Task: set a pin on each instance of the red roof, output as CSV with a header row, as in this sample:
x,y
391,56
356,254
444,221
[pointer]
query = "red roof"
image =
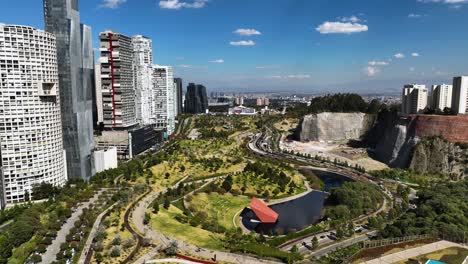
x,y
263,212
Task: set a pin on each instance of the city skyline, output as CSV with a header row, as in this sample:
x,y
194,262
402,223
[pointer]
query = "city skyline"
x,y
289,46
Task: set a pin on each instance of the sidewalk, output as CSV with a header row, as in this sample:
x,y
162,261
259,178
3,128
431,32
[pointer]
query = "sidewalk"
x,y
414,252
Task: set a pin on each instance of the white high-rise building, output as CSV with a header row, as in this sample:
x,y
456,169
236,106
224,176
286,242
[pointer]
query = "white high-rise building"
x,y
31,143
441,96
142,67
414,98
165,98
98,94
460,95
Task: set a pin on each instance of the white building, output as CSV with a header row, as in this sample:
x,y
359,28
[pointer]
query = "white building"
x,y
31,143
98,93
165,94
142,71
460,95
242,110
441,96
414,98
105,159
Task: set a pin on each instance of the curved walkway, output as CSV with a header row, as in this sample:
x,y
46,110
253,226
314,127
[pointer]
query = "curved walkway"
x,y
92,235
53,249
138,216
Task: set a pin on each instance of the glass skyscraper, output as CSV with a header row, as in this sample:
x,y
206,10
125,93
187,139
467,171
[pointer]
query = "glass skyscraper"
x,y
76,81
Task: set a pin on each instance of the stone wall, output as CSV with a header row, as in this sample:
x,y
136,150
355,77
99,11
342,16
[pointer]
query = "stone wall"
x,y
451,128
334,127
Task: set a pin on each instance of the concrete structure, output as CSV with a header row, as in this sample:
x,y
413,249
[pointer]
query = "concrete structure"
x,y
31,147
164,90
261,101
241,110
179,94
460,95
414,99
196,100
105,159
118,93
142,73
129,143
98,116
239,100
441,96
76,65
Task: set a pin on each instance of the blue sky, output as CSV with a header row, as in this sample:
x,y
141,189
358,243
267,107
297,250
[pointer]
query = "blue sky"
x,y
287,45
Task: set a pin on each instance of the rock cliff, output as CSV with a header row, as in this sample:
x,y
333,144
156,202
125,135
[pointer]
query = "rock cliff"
x,y
335,127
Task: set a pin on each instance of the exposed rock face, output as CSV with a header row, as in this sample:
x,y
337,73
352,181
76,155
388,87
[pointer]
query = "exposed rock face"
x,y
435,155
334,127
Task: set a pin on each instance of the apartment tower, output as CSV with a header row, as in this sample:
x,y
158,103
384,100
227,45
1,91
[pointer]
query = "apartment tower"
x,y
165,98
142,73
441,96
75,57
31,142
414,99
460,95
118,93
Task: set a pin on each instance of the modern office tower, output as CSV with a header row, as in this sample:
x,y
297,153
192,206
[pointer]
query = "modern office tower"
x,y
196,101
441,96
76,62
414,99
164,94
460,95
97,104
31,142
180,93
142,71
118,93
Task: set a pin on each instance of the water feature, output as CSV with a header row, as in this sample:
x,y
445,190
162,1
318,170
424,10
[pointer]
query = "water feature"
x,y
299,213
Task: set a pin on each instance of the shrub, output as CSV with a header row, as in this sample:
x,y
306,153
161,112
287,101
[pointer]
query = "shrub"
x,y
115,251
116,240
128,243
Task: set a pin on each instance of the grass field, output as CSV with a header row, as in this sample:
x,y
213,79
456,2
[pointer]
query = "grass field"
x,y
221,207
166,223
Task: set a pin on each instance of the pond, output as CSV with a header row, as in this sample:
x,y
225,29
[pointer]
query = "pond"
x,y
296,214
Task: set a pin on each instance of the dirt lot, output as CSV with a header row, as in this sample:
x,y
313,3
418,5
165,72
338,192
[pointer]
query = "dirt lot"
x,y
341,152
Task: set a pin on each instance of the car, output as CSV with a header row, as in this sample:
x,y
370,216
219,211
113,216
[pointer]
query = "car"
x,y
322,237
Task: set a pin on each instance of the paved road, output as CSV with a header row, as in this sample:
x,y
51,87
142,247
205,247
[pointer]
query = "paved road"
x,y
92,235
52,250
342,244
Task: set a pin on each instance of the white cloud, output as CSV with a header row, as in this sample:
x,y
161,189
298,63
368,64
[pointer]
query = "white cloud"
x,y
415,54
451,2
415,15
371,71
353,19
267,67
378,63
243,43
217,61
112,4
412,69
399,55
247,32
187,66
341,28
176,4
290,76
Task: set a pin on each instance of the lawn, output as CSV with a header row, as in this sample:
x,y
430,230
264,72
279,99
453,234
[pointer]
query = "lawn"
x,y
166,223
221,207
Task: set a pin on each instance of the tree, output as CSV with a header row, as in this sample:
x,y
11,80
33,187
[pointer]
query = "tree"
x,y
35,258
115,251
314,242
294,249
146,219
155,207
172,249
167,203
339,232
227,183
116,240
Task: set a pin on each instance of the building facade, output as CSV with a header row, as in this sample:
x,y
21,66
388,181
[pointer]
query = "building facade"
x,y
180,93
142,71
414,99
460,95
31,142
165,98
76,60
118,93
196,100
105,159
98,115
441,96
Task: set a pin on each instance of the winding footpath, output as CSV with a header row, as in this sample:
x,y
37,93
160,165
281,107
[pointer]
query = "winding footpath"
x,y
164,241
53,249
